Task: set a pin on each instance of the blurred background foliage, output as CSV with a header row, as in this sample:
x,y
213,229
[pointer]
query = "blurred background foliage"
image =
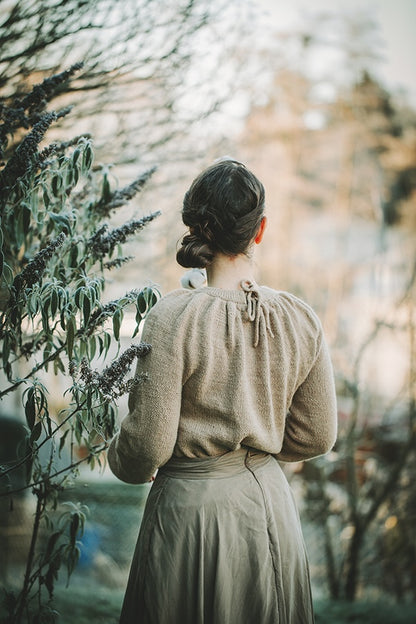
x,y
177,84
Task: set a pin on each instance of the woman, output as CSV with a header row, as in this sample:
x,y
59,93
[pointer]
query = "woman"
x,y
238,377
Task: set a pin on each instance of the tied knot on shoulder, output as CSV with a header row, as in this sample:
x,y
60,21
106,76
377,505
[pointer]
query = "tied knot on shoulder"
x,y
257,311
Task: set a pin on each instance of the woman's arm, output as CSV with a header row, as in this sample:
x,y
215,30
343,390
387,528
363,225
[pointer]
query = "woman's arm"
x,y
311,424
148,433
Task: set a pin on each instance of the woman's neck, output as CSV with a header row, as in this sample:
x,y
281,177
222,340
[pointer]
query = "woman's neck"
x,y
227,272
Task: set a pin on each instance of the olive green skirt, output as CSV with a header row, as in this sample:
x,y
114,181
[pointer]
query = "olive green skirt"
x,y
220,543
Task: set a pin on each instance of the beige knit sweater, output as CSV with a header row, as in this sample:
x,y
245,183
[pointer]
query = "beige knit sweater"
x,y
227,368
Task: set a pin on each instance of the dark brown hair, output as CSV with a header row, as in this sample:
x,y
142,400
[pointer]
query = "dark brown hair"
x,y
223,209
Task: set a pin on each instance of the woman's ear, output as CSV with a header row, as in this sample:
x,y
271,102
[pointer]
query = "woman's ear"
x,y
259,235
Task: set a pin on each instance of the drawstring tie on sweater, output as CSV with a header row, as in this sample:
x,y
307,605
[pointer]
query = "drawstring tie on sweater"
x,y
256,310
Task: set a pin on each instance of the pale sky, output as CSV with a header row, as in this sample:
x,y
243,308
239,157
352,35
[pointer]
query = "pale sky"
x,y
397,22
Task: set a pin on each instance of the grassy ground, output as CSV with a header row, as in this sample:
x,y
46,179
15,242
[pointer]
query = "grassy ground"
x,y
85,605
364,613
89,603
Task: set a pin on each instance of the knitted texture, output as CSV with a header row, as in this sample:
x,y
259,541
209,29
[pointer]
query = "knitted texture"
x,y
228,368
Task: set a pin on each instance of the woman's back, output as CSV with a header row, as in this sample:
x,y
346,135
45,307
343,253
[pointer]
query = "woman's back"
x,y
237,377
237,359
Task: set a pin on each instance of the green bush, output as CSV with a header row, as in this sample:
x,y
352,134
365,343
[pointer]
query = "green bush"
x,y
56,248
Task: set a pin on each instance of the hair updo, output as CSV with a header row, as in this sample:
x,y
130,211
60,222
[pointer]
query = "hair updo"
x,y
223,209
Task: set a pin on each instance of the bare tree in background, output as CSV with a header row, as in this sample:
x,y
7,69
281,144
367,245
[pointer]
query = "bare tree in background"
x,y
337,157
151,67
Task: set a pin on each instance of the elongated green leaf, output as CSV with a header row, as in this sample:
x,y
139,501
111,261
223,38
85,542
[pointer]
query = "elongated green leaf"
x,y
34,204
45,319
70,336
72,561
87,157
26,217
155,297
51,543
69,177
46,198
117,324
92,347
56,185
141,303
8,370
62,441
107,343
63,323
33,304
36,431
100,345
79,297
75,156
93,294
46,353
73,255
106,191
7,274
6,348
74,528
86,308
30,409
82,348
58,365
54,303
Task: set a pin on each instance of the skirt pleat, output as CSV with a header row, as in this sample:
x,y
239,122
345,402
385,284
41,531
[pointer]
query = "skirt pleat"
x,y
220,543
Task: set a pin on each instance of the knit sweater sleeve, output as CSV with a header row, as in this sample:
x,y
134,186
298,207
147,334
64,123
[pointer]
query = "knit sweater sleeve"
x,y
148,433
311,423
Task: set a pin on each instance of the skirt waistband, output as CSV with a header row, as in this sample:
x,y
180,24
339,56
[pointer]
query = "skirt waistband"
x,y
219,466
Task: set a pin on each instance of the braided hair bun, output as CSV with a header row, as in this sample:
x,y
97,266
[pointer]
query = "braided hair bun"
x,y
223,209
